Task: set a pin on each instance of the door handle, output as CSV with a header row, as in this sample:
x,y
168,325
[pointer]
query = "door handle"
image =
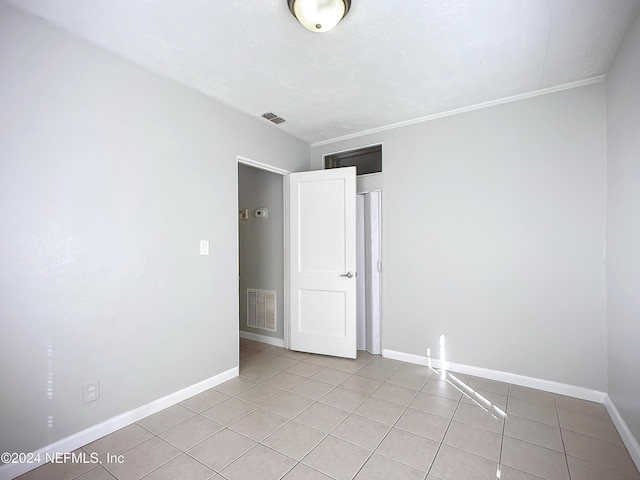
x,y
348,275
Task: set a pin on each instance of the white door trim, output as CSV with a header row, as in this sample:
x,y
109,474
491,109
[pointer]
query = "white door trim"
x,y
287,278
262,166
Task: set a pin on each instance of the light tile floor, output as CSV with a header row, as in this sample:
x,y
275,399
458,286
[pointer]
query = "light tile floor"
x,y
297,416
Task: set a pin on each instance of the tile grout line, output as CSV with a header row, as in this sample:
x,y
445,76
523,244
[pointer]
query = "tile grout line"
x,y
601,439
349,414
528,441
315,401
373,451
370,395
246,415
444,434
161,465
564,448
504,427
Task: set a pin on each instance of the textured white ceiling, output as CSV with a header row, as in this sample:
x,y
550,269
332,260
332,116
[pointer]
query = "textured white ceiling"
x,y
389,61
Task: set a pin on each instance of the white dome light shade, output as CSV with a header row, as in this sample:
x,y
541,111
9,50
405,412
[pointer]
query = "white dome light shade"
x,y
319,15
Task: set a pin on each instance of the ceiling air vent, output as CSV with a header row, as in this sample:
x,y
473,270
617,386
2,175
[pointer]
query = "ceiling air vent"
x,y
273,118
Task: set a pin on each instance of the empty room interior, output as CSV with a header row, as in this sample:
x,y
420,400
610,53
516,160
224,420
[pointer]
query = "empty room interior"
x,y
320,239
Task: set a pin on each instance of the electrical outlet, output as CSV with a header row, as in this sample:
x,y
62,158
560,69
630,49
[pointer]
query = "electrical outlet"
x,y
91,391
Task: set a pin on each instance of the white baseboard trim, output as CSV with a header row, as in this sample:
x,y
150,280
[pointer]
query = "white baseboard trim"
x,y
276,342
627,437
507,377
554,387
93,433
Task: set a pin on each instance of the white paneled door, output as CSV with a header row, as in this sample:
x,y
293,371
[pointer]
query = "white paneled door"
x,y
322,246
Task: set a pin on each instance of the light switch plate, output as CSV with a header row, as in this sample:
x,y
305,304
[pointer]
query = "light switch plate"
x,y
204,247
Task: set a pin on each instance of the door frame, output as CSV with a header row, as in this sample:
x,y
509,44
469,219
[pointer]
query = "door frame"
x,y
285,215
379,266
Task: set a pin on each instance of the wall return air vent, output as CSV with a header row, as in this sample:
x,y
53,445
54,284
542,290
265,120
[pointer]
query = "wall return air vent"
x,y
273,118
261,309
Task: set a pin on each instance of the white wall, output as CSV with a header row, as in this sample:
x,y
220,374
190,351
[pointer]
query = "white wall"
x,y
261,241
109,177
623,229
494,235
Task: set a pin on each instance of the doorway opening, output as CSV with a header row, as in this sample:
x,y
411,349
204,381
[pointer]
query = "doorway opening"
x,y
261,250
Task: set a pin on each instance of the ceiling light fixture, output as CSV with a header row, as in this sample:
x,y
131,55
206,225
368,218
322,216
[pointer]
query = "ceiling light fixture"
x,y
319,15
